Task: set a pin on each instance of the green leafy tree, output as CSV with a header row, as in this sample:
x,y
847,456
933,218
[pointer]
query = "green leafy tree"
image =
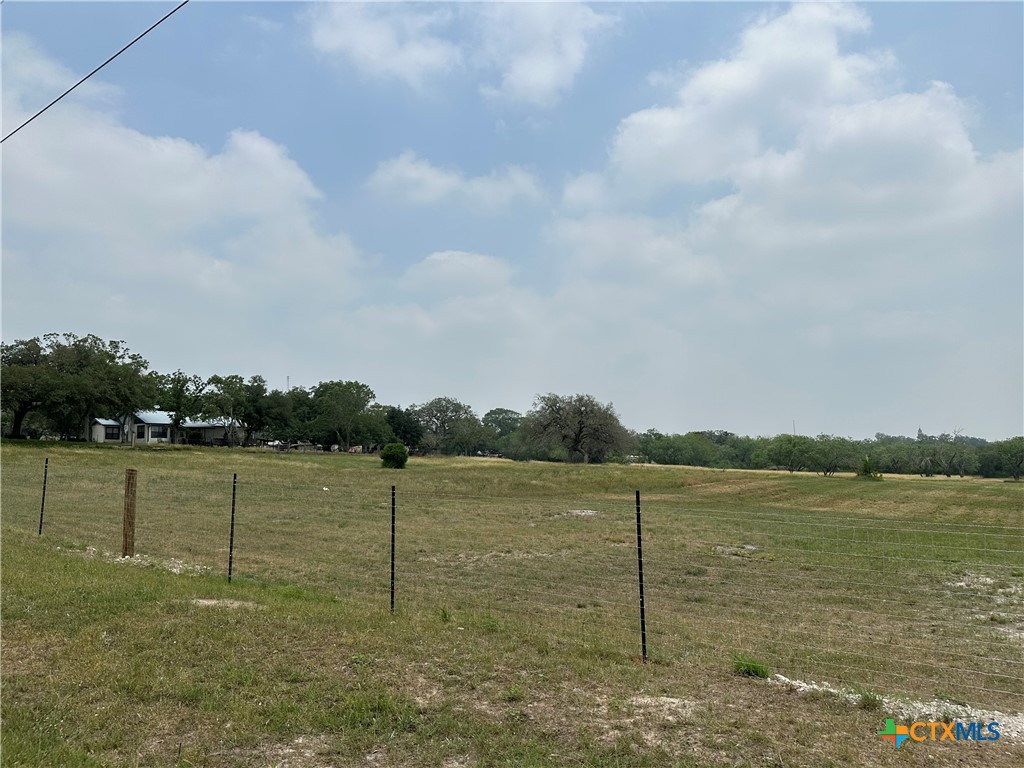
x,y
587,430
373,428
1011,454
70,379
26,380
439,418
502,420
181,396
468,435
342,408
405,425
831,454
791,452
290,415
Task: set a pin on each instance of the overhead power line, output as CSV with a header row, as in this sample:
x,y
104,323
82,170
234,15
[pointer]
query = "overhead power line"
x,y
101,66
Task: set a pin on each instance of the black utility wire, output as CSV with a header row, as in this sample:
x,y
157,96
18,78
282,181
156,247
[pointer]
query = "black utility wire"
x,y
101,66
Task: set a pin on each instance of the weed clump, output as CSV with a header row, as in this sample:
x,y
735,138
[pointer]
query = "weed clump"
x,y
743,665
869,700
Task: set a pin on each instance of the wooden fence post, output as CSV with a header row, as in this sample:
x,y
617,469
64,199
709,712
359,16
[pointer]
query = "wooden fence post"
x,y
128,543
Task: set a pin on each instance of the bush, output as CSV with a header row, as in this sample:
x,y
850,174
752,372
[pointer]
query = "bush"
x,y
394,456
867,470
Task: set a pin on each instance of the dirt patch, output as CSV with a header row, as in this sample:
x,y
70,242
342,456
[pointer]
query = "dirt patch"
x,y
743,551
303,752
1003,591
172,564
584,513
1011,725
652,718
204,602
424,692
485,558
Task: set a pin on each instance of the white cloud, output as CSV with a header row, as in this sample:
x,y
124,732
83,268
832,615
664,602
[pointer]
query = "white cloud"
x,y
384,40
456,273
732,110
416,180
639,250
813,213
538,48
112,230
588,191
32,79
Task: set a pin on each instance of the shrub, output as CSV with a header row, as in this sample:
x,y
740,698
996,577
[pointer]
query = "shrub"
x,y
394,456
867,470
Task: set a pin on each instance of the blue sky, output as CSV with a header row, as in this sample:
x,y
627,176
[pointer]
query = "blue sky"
x,y
713,215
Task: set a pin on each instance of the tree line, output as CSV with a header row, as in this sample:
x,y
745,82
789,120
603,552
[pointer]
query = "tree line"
x,y
56,384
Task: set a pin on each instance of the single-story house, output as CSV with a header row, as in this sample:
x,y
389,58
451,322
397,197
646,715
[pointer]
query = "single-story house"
x,y
148,427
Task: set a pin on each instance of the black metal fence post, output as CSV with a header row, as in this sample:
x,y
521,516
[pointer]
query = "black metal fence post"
x,y
640,574
231,540
392,549
42,505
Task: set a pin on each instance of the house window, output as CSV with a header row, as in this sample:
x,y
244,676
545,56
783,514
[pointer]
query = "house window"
x,y
158,433
140,432
111,433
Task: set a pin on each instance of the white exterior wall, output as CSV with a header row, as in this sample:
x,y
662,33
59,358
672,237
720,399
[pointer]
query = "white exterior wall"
x,y
98,434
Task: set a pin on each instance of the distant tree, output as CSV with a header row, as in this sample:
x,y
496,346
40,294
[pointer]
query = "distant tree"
x,y
1011,453
736,451
586,429
181,396
372,428
502,420
694,448
237,403
69,380
290,415
791,452
342,407
26,380
891,454
831,454
439,418
405,425
467,435
990,463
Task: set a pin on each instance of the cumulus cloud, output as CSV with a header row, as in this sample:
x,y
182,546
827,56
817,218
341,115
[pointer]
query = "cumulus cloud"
x,y
456,273
810,206
411,178
731,110
536,50
121,225
385,40
32,79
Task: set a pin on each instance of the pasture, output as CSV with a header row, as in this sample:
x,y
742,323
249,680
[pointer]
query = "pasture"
x,y
515,638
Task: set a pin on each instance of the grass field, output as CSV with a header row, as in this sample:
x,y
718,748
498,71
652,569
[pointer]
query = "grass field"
x,y
516,638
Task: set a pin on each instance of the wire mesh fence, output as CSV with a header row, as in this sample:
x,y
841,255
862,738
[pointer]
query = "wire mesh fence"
x,y
922,607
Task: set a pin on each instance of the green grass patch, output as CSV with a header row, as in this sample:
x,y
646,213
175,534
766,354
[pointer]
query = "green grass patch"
x,y
748,667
